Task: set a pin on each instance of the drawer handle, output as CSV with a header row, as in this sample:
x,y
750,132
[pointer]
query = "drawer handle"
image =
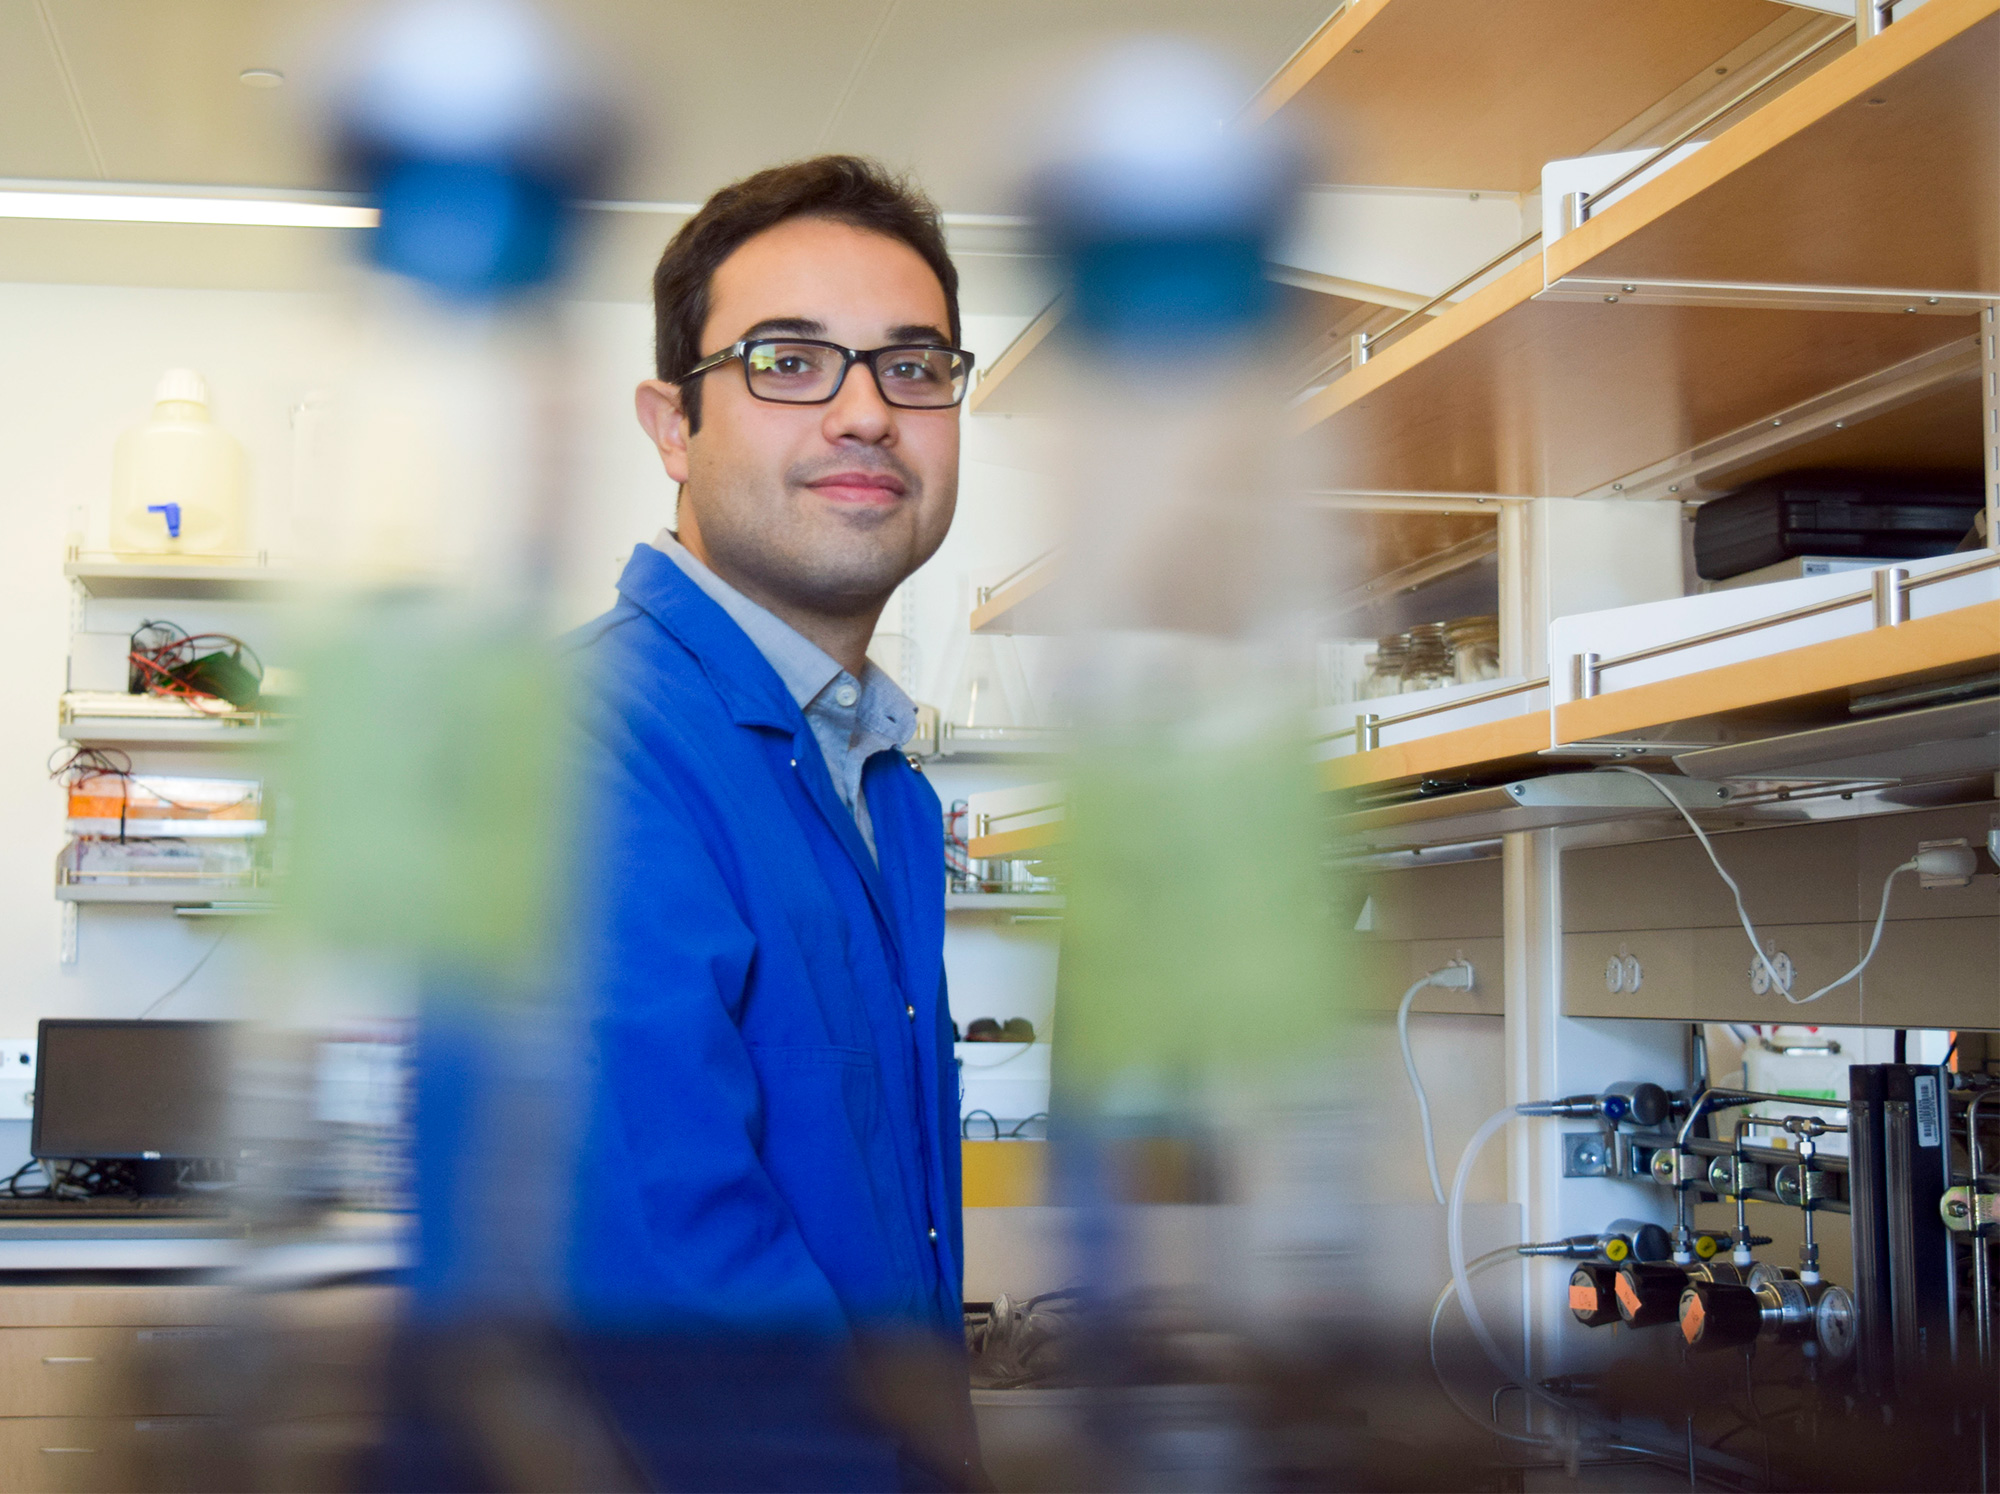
x,y
69,1359
69,1450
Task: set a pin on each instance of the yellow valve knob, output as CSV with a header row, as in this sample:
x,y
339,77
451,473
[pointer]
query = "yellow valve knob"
x,y
1616,1249
1705,1246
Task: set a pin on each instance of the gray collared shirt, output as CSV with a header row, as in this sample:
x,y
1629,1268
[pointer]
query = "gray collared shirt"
x,y
851,719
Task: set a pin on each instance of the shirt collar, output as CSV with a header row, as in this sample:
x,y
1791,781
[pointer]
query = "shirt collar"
x,y
805,669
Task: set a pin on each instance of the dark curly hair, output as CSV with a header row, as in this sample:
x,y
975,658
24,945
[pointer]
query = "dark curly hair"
x,y
847,189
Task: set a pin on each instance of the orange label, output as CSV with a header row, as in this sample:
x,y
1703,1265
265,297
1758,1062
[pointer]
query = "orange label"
x,y
1693,1315
1627,1296
1582,1297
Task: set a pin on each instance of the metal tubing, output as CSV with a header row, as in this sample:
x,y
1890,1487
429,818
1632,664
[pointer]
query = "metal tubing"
x,y
1720,112
1520,687
1982,1305
1871,18
1736,1159
1728,1098
1952,572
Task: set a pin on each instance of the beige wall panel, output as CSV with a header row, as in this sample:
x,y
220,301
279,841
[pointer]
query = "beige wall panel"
x,y
1890,840
1456,900
1704,974
1820,952
1935,972
1377,974
1791,876
1666,962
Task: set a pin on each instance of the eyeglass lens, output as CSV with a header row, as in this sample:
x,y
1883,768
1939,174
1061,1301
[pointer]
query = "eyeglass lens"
x,y
805,373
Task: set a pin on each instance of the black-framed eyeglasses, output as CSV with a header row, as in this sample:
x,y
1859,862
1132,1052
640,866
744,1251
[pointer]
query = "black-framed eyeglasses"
x,y
802,371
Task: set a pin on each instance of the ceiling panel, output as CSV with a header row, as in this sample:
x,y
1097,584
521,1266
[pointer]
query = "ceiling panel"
x,y
713,89
159,86
949,88
38,129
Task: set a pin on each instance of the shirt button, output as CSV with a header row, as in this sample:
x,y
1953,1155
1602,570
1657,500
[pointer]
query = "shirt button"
x,y
846,695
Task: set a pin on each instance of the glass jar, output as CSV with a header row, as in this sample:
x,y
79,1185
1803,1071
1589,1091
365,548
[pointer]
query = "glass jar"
x,y
1427,663
1385,667
1475,648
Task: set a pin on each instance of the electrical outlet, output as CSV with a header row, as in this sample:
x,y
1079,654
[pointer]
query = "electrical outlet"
x,y
17,1080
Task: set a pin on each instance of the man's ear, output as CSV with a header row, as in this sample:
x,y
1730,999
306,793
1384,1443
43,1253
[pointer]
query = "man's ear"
x,y
660,414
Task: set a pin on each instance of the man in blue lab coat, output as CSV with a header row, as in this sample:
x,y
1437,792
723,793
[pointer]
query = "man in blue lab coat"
x,y
766,1252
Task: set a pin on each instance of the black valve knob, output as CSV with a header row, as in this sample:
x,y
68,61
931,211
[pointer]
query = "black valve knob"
x,y
1649,1292
1593,1294
1720,1315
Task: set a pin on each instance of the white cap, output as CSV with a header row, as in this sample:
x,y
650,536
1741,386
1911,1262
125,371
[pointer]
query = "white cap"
x,y
181,384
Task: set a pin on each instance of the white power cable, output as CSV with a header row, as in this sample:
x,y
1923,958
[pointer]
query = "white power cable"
x,y
1780,983
1457,976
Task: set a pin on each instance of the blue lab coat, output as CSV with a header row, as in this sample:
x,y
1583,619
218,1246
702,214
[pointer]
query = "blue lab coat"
x,y
770,1143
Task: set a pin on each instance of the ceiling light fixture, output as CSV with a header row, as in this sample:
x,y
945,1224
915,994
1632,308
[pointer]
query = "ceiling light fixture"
x,y
261,77
21,200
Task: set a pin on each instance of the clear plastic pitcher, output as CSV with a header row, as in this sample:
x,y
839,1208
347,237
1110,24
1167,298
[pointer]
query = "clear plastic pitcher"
x,y
177,482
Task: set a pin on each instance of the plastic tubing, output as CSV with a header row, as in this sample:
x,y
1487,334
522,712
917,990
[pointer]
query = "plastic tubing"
x,y
1454,1236
1417,1086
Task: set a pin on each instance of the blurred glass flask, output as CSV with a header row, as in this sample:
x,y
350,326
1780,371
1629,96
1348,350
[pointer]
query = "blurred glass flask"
x,y
1199,1010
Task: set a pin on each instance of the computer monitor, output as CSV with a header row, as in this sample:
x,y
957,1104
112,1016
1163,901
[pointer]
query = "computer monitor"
x,y
147,1092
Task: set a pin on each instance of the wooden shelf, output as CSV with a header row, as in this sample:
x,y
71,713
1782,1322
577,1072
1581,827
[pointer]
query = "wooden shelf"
x,y
1021,605
1006,845
1537,386
167,581
1005,389
1483,750
1883,169
1801,685
1469,94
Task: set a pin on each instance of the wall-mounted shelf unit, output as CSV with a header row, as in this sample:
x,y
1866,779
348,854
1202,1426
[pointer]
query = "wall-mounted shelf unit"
x,y
237,730
1832,240
1461,95
1771,698
105,577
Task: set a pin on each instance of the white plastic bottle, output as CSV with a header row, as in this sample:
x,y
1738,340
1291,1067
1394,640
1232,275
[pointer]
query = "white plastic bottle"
x,y
177,482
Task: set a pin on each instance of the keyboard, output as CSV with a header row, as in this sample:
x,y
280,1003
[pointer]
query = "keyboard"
x,y
196,1206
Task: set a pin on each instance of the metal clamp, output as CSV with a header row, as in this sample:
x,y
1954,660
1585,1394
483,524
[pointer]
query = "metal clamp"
x,y
1968,1211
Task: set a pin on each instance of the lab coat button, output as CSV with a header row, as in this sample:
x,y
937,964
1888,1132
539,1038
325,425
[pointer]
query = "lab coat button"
x,y
910,1012
933,1234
